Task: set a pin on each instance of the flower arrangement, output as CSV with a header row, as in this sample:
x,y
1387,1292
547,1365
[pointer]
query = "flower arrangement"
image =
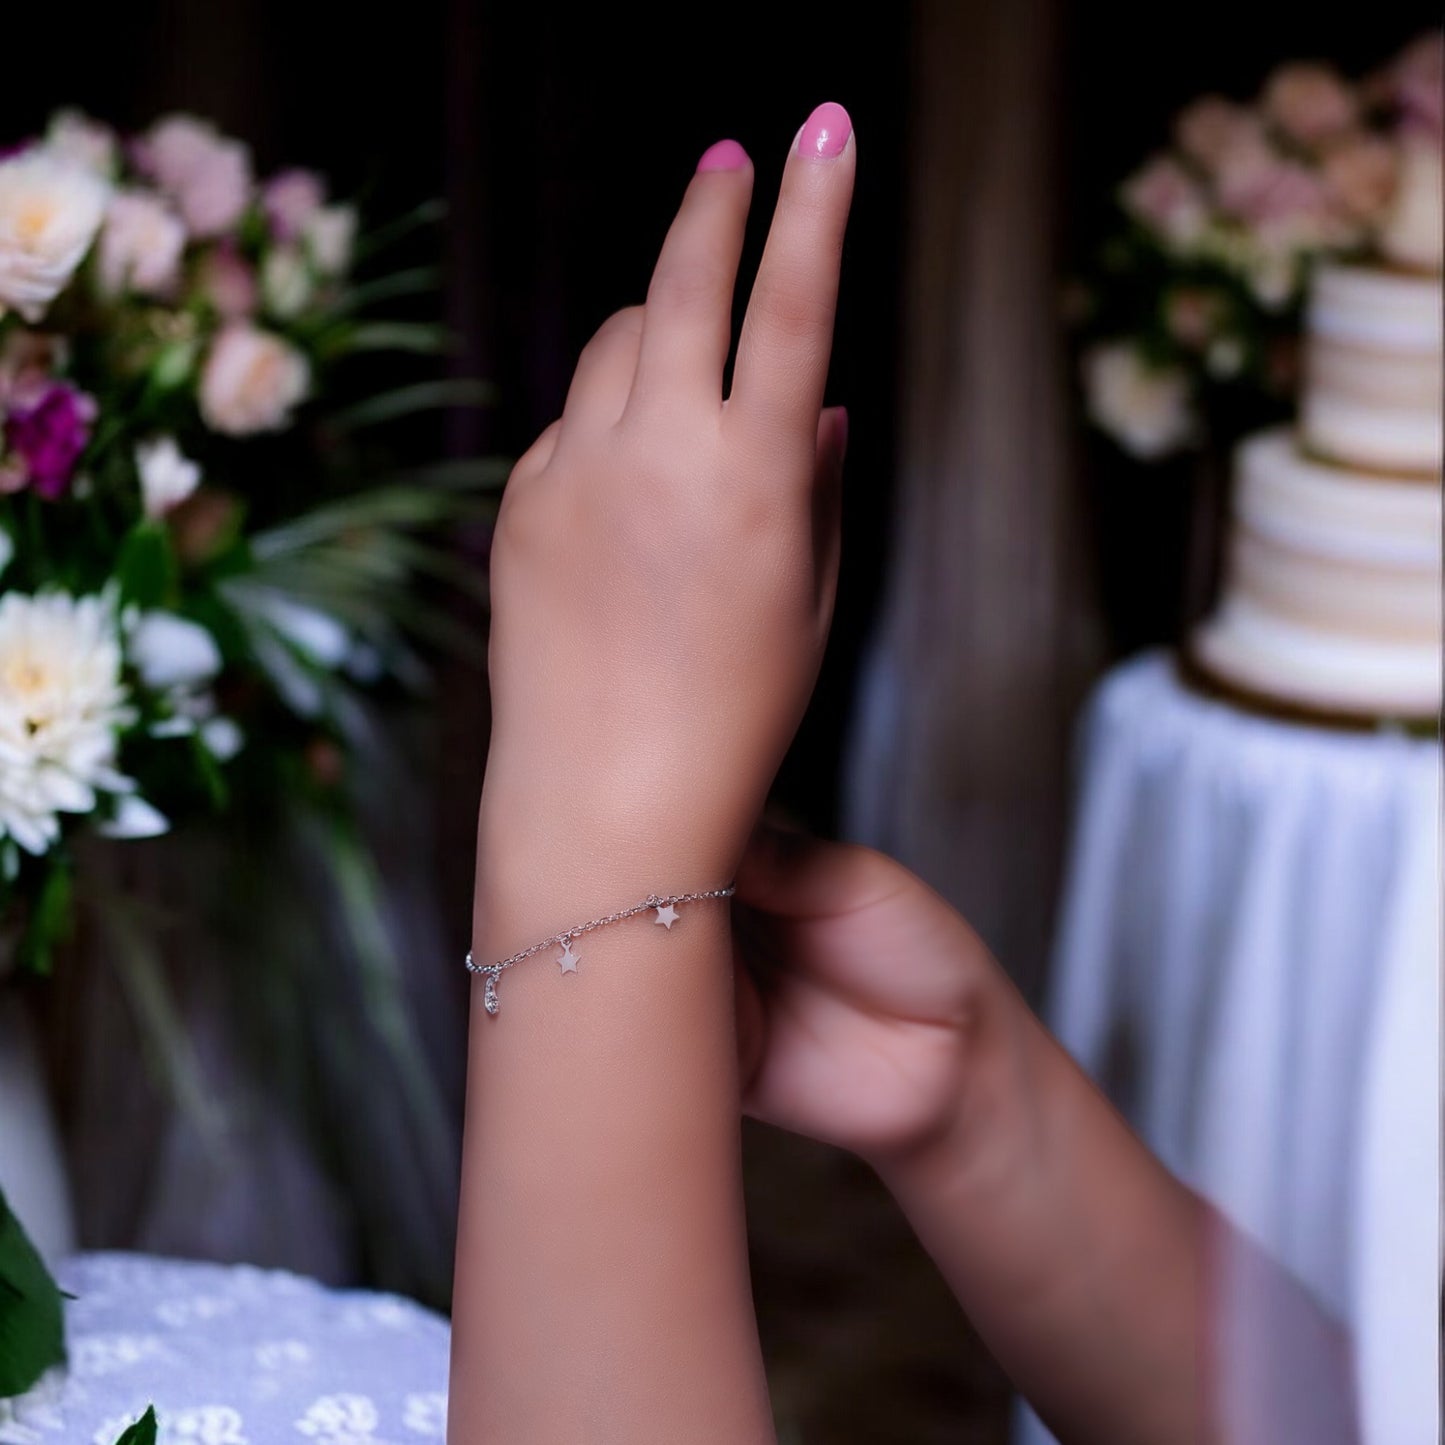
x,y
201,569
1194,308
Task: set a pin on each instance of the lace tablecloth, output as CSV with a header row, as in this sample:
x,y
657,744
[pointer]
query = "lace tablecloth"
x,y
234,1355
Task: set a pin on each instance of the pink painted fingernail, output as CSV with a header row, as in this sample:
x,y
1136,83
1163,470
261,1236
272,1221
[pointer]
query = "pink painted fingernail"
x,y
723,155
825,132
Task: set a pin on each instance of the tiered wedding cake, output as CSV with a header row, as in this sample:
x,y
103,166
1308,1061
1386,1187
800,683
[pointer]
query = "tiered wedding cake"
x,y
1332,597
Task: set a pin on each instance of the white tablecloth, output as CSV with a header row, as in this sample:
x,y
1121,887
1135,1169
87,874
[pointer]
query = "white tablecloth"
x,y
1248,958
233,1355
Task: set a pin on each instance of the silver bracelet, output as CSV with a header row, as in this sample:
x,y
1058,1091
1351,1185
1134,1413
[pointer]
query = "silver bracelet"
x,y
666,915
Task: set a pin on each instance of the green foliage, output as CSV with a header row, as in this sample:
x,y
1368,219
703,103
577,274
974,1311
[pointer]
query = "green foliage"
x,y
143,1432
32,1322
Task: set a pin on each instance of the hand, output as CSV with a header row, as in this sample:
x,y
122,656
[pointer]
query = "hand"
x,y
864,998
664,563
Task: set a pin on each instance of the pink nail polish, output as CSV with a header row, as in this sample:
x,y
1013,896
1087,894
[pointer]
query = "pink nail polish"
x,y
825,132
842,432
723,155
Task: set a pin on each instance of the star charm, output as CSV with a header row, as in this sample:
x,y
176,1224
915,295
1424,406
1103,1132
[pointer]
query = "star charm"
x,y
567,958
666,915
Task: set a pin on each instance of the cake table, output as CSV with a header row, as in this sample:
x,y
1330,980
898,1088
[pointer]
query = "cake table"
x,y
1247,960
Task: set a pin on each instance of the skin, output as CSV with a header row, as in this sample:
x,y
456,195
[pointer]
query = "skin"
x,y
663,573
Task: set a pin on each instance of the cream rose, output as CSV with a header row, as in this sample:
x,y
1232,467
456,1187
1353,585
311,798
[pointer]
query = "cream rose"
x,y
330,235
251,381
50,211
1412,232
140,245
1145,409
75,138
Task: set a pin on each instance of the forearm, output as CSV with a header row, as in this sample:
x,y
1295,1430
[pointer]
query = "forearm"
x,y
1073,1250
602,1288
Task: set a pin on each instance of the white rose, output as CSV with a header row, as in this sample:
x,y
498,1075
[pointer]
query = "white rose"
x,y
207,175
222,737
330,234
167,477
50,211
1145,409
285,282
172,652
76,138
251,381
140,245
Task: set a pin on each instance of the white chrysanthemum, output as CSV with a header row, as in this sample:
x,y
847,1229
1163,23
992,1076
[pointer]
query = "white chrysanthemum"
x,y
50,210
62,705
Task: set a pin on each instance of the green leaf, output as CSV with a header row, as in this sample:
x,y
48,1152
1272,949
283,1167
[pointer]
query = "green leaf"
x,y
32,1320
49,921
426,214
147,565
407,400
421,337
417,281
143,1432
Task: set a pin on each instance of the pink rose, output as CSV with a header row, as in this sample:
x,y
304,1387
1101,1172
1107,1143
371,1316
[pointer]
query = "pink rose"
x,y
1418,82
290,199
251,381
140,245
1360,174
1309,102
1165,197
1212,126
204,173
228,282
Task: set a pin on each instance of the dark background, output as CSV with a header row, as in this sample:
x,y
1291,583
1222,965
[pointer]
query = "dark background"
x,y
562,138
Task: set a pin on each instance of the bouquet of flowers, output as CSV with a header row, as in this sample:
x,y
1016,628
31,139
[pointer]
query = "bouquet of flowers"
x,y
202,568
212,571
1193,310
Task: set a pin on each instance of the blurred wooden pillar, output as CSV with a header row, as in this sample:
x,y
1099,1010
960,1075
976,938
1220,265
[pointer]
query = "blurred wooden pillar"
x,y
958,764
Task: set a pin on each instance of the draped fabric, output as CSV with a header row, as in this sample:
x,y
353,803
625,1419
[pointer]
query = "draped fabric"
x,y
1248,958
957,761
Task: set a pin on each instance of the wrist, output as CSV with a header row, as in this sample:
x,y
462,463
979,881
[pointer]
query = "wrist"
x,y
988,1139
565,844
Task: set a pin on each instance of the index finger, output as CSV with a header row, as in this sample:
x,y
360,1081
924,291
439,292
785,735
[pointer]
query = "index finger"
x,y
787,334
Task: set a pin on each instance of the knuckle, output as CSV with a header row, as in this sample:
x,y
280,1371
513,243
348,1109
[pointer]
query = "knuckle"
x,y
785,306
686,283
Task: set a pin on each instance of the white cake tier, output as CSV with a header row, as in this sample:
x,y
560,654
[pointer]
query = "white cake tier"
x,y
1373,373
1277,658
1332,587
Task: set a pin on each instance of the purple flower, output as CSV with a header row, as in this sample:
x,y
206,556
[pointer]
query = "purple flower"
x,y
49,436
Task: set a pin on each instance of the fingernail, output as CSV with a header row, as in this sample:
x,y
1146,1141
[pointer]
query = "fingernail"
x,y
723,155
842,432
825,132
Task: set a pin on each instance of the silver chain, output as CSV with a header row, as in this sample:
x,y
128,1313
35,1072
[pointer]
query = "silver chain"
x,y
494,971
